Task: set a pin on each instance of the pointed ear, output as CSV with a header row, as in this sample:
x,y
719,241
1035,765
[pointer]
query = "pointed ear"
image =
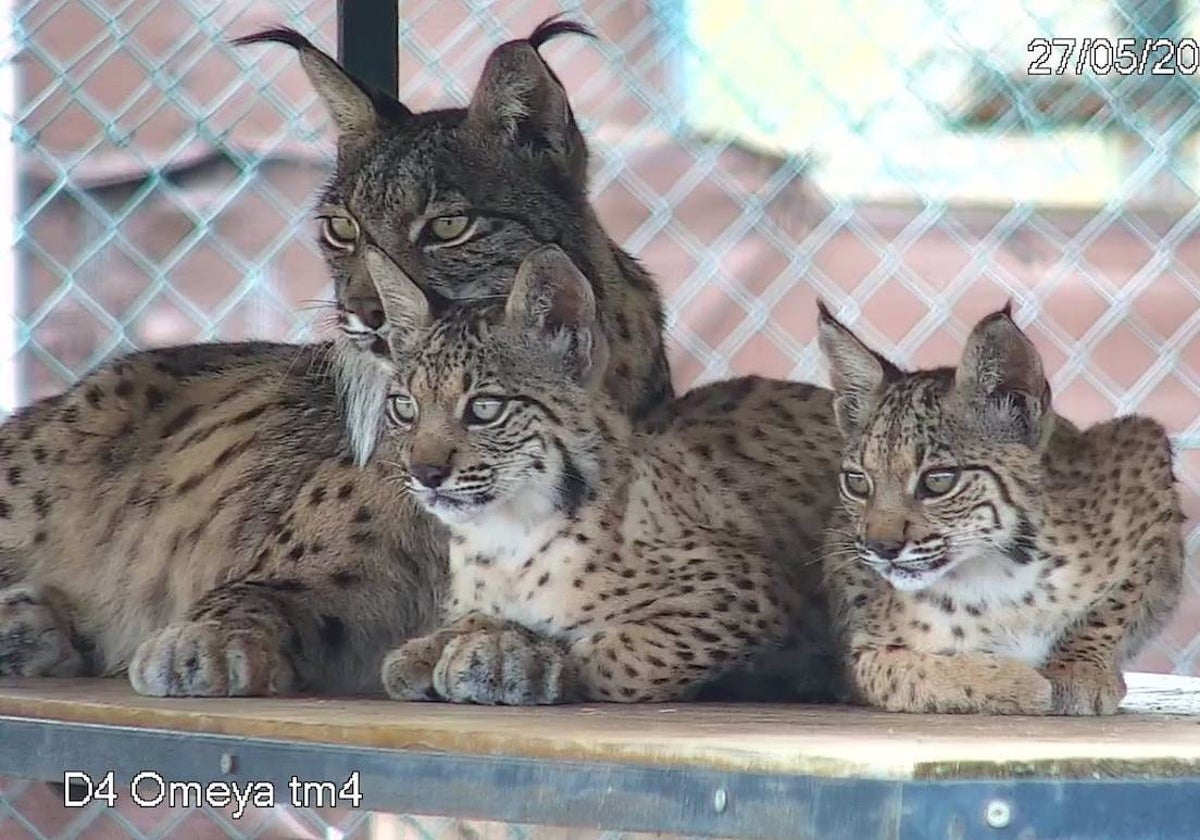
x,y
404,304
858,374
520,98
552,299
356,109
1001,379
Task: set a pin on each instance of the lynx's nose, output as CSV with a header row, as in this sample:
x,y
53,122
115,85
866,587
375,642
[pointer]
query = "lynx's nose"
x,y
430,475
368,310
885,549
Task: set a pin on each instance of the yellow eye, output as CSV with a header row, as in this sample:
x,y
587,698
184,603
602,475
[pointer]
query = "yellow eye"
x,y
447,228
855,484
341,232
401,409
937,483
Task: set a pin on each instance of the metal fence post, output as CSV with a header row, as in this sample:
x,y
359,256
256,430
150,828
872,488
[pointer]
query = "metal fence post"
x,y
368,41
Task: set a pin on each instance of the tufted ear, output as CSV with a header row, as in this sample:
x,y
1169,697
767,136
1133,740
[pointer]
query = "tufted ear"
x,y
858,374
357,110
553,299
1001,379
405,306
520,98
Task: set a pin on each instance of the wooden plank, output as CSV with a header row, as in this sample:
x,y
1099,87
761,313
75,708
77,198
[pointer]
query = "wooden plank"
x,y
1157,735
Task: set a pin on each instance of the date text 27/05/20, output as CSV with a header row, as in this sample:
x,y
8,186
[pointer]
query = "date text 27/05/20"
x,y
1122,56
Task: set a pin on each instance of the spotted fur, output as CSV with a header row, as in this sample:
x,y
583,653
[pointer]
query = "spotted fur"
x,y
208,517
989,556
197,511
589,561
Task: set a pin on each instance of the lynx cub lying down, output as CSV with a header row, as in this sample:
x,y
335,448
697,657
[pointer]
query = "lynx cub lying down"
x,y
589,561
990,557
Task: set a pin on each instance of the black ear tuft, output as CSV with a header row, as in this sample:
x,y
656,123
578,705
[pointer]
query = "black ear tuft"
x,y
357,108
554,26
1007,310
275,35
520,99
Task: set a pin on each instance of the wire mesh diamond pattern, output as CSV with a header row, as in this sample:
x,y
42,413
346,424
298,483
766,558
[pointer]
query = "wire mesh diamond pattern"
x,y
900,161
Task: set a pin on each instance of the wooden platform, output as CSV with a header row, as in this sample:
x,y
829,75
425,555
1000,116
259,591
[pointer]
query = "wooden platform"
x,y
1157,733
1156,739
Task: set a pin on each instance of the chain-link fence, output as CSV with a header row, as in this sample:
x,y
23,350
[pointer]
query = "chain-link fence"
x,y
918,162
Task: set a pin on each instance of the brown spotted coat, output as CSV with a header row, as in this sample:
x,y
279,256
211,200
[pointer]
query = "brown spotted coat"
x,y
989,556
590,560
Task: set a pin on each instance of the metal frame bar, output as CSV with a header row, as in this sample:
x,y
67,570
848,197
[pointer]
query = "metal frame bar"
x,y
10,380
365,47
621,797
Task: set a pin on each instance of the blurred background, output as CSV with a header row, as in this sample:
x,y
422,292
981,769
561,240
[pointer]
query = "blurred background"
x,y
898,159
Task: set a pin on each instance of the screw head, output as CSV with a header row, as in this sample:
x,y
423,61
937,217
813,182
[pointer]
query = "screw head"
x,y
720,800
997,814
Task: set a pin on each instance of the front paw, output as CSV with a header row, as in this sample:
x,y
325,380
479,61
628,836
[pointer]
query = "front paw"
x,y
1021,691
999,687
1082,688
203,659
35,637
964,683
408,670
511,667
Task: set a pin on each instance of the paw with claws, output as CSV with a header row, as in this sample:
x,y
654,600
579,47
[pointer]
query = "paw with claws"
x,y
1084,688
36,635
408,670
204,659
510,667
477,660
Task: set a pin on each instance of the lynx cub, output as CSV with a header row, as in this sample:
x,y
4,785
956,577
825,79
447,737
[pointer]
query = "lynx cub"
x,y
990,557
589,561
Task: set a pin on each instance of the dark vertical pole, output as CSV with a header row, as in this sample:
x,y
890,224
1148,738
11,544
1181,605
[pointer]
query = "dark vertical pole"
x,y
368,41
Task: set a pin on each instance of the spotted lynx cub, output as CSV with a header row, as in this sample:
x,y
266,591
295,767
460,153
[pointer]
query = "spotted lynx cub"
x,y
989,556
588,561
208,517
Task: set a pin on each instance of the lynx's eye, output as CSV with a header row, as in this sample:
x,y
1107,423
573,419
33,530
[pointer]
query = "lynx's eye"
x,y
340,232
934,483
401,409
855,484
480,411
448,228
